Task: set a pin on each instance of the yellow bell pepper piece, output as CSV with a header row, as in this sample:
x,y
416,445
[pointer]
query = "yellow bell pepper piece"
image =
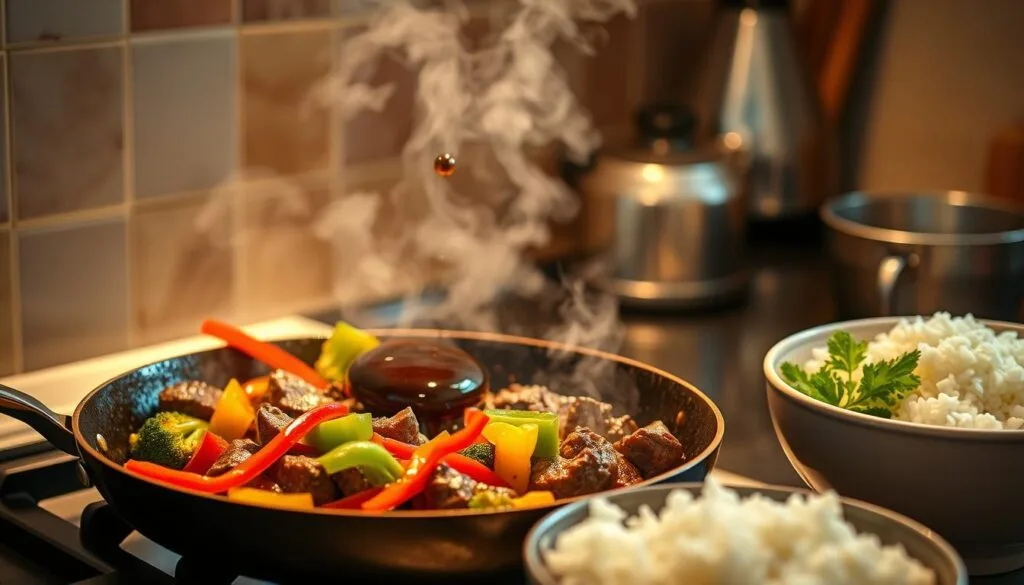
x,y
260,497
533,499
233,413
513,447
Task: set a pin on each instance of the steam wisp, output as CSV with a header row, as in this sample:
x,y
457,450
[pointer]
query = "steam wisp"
x,y
499,101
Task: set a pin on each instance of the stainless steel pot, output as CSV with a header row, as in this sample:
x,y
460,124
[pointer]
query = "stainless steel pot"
x,y
668,220
918,253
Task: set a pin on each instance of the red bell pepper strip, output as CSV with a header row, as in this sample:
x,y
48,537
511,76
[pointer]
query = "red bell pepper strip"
x,y
353,502
424,461
210,448
268,353
252,467
457,461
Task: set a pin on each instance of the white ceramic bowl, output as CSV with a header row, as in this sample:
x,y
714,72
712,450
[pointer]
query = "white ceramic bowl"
x,y
890,528
966,484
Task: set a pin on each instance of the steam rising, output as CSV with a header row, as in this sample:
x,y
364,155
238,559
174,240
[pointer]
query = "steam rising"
x,y
490,104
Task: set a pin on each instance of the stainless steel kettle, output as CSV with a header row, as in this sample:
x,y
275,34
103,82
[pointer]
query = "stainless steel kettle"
x,y
666,221
754,94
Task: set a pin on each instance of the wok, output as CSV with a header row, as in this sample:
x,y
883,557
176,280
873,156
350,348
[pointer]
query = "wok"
x,y
288,545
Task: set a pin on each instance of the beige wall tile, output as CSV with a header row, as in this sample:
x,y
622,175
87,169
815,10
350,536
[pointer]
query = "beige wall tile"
x,y
278,71
67,113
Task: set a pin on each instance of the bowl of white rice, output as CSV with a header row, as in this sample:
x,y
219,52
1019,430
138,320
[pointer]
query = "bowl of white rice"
x,y
950,454
712,534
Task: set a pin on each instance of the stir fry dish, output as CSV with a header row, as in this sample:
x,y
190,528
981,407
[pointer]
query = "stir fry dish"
x,y
389,425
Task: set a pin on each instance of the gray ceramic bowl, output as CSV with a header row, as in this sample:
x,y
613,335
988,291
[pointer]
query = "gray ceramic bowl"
x,y
891,528
966,484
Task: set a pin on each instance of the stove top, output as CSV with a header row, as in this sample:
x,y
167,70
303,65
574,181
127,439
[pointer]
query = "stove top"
x,y
55,530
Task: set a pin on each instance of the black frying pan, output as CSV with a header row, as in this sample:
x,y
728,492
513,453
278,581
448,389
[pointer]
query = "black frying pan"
x,y
289,546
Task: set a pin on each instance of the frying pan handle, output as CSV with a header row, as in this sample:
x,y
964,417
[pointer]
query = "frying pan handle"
x,y
55,428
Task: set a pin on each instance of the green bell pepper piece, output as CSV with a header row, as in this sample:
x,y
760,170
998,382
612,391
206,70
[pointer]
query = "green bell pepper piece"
x,y
343,347
352,427
547,427
374,460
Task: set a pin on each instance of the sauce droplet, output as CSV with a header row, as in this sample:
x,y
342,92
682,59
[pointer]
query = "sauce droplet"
x,y
438,381
444,165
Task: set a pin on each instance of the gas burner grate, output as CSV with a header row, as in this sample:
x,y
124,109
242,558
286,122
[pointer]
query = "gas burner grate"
x,y
53,545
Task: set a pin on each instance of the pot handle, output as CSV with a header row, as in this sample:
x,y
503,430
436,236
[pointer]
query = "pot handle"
x,y
889,271
55,428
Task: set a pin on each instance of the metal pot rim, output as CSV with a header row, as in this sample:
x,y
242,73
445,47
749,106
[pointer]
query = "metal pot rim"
x,y
830,216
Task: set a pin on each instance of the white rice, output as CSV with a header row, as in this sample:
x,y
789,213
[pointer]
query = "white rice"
x,y
971,377
719,539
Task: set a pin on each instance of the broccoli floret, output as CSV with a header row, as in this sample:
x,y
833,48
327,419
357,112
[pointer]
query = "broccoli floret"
x,y
167,438
345,344
490,499
482,452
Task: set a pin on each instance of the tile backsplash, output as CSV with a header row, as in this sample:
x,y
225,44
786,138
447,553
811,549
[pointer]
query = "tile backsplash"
x,y
160,162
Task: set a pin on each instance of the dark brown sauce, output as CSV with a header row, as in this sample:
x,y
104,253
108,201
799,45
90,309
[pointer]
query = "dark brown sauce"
x,y
437,380
444,165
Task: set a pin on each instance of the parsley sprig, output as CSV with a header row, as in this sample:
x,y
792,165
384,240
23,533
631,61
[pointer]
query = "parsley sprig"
x,y
882,384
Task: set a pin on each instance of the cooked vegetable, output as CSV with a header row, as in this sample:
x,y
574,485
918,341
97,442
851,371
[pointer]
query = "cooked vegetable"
x,y
355,501
234,413
881,386
547,427
257,388
364,455
423,462
482,452
513,448
345,344
168,439
269,498
268,353
249,469
537,498
492,499
457,461
210,448
354,427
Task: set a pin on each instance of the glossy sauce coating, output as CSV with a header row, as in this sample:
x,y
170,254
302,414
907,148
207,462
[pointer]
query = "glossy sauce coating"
x,y
444,165
439,381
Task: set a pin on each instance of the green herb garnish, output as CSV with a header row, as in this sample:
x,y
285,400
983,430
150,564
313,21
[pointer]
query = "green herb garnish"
x,y
881,386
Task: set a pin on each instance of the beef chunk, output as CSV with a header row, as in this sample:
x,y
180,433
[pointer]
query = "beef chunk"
x,y
270,421
238,451
587,464
192,397
573,411
351,481
652,449
298,474
402,427
627,473
535,398
581,411
292,394
449,489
